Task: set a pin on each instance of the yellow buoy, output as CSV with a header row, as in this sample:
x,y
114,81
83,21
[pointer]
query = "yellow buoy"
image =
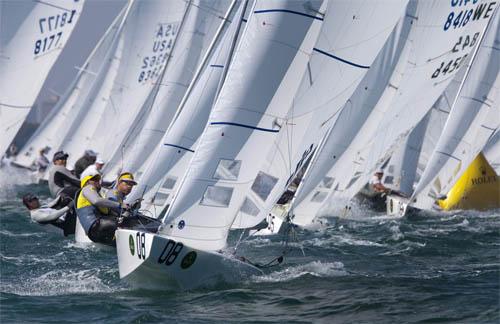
x,y
477,188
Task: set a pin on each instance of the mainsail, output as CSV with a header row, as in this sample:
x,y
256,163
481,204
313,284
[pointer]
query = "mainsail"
x,y
171,158
267,65
473,119
352,35
139,53
421,69
57,125
27,57
197,30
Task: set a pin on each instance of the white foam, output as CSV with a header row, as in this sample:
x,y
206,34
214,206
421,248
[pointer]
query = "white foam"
x,y
11,234
60,282
315,268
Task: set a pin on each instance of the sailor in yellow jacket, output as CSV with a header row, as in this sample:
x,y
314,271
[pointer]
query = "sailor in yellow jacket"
x,y
93,211
124,186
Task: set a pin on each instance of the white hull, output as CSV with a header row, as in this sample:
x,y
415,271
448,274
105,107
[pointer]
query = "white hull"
x,y
80,236
274,221
397,206
153,261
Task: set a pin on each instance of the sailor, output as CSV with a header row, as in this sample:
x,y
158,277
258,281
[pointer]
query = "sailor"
x,y
93,168
124,186
12,152
42,162
61,181
82,163
93,211
52,213
376,182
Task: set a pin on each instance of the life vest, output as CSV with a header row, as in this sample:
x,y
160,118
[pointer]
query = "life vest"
x,y
88,213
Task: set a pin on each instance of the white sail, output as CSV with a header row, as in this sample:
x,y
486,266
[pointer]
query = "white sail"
x,y
430,70
341,57
401,171
197,31
171,158
424,68
473,119
492,152
57,124
138,57
379,86
27,57
267,65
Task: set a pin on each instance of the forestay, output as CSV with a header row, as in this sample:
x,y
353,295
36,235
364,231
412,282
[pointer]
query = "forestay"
x,y
197,30
352,35
267,66
70,107
28,55
171,158
472,121
135,64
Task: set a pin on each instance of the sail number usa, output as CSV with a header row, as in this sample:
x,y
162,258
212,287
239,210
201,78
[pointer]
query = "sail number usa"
x,y
153,63
50,30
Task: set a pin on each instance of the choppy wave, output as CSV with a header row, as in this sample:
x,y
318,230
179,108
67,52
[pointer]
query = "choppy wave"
x,y
61,282
315,268
352,267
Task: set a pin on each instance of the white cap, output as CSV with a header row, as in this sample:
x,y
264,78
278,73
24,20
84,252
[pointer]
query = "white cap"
x,y
100,161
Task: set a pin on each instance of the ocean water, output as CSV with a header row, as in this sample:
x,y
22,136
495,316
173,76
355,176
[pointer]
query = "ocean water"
x,y
358,268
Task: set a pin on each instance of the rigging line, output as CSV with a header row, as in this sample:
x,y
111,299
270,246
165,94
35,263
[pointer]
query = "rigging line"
x,y
52,5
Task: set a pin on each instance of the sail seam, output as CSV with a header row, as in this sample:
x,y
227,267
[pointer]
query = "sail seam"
x,y
178,146
246,126
449,155
288,11
341,59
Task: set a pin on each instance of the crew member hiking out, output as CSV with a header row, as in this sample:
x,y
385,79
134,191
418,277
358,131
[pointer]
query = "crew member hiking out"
x,y
61,180
52,213
93,211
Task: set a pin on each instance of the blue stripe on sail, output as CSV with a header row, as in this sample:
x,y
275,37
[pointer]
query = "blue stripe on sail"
x,y
246,126
288,11
216,65
180,147
341,59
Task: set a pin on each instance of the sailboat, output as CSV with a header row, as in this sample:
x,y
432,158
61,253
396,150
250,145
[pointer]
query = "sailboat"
x,y
342,56
268,63
31,50
474,118
383,121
